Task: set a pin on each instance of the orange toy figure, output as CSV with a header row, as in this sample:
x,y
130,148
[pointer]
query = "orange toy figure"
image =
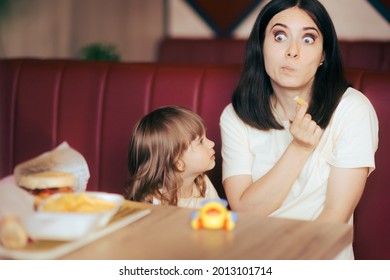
x,y
214,215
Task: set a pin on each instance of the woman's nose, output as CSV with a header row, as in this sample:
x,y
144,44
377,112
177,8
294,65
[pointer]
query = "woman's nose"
x,y
292,54
292,51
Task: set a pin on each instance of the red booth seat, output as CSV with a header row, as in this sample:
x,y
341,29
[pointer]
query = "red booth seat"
x,y
94,106
373,55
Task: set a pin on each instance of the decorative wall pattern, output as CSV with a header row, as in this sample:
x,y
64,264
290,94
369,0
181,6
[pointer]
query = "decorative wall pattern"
x,y
353,19
383,7
223,16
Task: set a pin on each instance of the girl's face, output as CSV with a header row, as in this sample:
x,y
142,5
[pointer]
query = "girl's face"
x,y
199,157
292,50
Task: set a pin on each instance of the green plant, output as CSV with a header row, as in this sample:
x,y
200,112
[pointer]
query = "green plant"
x,y
4,7
100,52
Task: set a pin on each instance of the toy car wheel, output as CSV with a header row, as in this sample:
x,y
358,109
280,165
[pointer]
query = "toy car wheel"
x,y
196,224
229,225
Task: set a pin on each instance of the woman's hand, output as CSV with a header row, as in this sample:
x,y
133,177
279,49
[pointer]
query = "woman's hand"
x,y
305,131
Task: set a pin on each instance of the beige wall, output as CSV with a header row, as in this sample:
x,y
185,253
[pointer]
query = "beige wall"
x,y
60,28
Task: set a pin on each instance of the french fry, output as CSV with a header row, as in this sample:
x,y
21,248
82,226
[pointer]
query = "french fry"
x,y
299,100
80,203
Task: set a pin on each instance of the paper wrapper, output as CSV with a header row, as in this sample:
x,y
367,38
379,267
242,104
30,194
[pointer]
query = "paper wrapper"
x,y
16,201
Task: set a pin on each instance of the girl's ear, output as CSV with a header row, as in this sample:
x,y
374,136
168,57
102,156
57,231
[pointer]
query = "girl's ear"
x,y
180,165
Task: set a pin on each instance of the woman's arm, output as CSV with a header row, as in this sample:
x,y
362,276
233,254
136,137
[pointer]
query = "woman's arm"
x,y
345,188
353,153
355,136
267,193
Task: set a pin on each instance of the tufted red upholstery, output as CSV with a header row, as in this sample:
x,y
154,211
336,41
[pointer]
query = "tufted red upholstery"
x,y
94,106
372,227
196,51
373,55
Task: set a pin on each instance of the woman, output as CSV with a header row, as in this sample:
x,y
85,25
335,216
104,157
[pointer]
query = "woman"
x,y
283,159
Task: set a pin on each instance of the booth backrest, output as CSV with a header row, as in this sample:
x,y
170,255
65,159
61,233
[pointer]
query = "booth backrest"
x,y
373,55
198,51
94,106
372,229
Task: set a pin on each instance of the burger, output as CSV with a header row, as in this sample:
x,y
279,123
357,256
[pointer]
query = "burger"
x,y
41,185
44,184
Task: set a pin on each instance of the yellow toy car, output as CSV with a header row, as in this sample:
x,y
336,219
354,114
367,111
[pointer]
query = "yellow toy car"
x,y
214,215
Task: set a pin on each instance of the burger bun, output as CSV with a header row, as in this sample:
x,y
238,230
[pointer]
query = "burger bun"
x,y
47,179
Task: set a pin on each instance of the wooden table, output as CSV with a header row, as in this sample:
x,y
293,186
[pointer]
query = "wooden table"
x,y
166,234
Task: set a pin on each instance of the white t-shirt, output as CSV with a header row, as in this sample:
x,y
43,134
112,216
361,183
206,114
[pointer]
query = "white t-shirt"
x,y
195,200
349,141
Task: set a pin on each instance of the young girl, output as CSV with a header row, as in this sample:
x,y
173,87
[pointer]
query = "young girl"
x,y
168,155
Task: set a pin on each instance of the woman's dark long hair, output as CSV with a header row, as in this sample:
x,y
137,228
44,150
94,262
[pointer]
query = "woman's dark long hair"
x,y
252,96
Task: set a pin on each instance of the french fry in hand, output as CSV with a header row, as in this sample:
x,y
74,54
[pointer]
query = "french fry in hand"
x,y
299,100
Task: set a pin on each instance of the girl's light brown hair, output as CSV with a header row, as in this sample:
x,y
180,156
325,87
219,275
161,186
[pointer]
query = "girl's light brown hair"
x,y
158,141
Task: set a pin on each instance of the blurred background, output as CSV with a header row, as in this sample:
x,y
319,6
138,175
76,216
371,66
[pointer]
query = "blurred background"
x,y
133,29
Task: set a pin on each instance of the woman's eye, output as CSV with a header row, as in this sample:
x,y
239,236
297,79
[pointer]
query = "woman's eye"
x,y
308,39
280,37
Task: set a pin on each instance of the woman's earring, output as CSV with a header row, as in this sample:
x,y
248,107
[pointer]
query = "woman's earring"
x,y
321,63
